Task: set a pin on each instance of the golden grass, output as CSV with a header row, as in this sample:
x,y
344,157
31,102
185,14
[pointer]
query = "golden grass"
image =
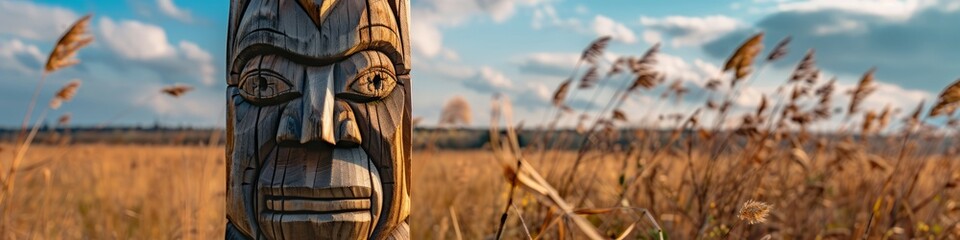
x,y
165,192
117,192
829,197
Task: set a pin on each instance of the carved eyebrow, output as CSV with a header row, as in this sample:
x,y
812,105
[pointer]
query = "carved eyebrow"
x,y
260,49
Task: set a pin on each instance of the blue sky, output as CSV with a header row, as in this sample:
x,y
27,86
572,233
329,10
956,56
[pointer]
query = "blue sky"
x,y
477,48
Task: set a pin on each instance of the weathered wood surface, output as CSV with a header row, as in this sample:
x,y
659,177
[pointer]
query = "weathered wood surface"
x,y
318,119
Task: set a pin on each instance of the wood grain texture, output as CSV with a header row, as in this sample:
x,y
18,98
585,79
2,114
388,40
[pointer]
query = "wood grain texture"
x,y
318,119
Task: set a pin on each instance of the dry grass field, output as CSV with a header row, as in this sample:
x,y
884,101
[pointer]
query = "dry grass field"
x,y
117,192
176,192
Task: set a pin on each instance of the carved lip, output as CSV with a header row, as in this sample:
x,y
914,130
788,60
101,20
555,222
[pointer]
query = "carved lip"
x,y
319,200
318,206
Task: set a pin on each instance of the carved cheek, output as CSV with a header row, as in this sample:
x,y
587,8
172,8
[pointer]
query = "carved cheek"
x,y
378,122
242,160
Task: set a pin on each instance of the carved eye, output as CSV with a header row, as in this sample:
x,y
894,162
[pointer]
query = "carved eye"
x,y
371,85
265,87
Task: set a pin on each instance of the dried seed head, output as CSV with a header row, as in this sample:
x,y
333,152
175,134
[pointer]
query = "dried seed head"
x,y
754,212
647,76
65,94
806,70
948,101
590,78
595,50
868,120
64,119
65,51
914,118
618,65
561,94
763,105
864,88
779,51
742,60
884,118
177,90
619,115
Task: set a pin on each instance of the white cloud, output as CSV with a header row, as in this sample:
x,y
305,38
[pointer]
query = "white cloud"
x,y
547,16
427,39
167,7
194,53
677,68
135,40
34,21
548,63
540,90
604,26
840,26
688,31
891,9
494,79
708,70
434,15
19,56
652,37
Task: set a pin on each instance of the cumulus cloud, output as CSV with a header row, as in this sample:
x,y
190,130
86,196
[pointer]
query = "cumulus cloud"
x,y
135,40
548,63
147,45
434,15
687,31
128,61
677,68
19,56
34,21
546,15
890,9
604,26
194,53
167,7
489,80
907,52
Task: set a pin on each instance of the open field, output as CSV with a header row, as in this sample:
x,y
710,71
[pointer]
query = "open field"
x,y
117,192
176,192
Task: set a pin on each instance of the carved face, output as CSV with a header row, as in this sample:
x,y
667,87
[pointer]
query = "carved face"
x,y
318,119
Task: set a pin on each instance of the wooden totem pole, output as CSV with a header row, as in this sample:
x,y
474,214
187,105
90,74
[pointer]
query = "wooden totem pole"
x,y
318,119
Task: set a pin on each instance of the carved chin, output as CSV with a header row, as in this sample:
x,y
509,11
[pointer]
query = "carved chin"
x,y
318,192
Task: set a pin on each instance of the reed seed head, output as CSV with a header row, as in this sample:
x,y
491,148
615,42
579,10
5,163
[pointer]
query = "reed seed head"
x,y
754,212
65,94
742,60
948,100
65,51
177,90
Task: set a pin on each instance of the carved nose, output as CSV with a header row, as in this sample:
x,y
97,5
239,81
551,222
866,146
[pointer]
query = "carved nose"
x,y
318,107
317,117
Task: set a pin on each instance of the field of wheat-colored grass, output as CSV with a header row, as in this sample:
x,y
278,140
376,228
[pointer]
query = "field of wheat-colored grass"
x,y
166,192
117,192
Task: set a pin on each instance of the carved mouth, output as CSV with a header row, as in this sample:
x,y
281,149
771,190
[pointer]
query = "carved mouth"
x,y
297,200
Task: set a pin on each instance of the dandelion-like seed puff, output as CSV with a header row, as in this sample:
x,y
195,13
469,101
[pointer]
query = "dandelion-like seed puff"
x,y
754,212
